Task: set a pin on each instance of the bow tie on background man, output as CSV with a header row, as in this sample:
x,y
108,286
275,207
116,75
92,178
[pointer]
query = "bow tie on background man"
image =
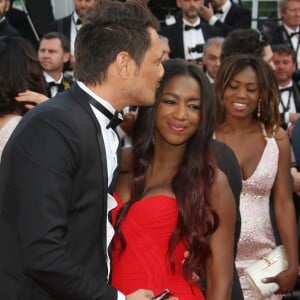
x,y
287,89
188,27
78,22
218,11
294,33
60,86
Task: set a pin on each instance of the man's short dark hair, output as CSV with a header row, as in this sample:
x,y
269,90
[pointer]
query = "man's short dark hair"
x,y
112,27
284,49
65,44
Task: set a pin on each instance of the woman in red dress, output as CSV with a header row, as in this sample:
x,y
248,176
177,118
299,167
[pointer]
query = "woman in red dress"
x,y
169,196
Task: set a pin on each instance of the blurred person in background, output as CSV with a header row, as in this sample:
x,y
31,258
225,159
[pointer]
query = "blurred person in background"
x,y
212,57
19,71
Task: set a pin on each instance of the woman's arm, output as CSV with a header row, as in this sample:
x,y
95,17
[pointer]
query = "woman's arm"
x,y
285,215
220,265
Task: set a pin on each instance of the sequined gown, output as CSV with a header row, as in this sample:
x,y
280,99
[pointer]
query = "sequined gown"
x,y
257,238
144,264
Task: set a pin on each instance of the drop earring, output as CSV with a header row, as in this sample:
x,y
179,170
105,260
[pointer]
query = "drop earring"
x,y
258,108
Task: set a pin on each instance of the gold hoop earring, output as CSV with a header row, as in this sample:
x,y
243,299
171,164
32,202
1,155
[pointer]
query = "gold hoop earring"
x,y
258,109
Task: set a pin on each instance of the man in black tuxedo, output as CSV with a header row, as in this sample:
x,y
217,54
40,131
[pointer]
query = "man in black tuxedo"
x,y
284,59
226,15
53,55
70,24
5,28
289,32
189,34
58,168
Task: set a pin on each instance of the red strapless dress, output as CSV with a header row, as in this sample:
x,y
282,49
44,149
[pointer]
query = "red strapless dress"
x,y
144,264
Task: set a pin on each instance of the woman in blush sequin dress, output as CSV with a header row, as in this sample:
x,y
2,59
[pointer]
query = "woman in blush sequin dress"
x,y
248,122
178,200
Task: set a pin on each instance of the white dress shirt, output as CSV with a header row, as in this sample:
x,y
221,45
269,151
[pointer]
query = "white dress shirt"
x,y
295,40
48,79
111,142
191,38
225,8
74,30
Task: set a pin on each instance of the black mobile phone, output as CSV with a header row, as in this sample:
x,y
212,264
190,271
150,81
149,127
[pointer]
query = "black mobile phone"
x,y
165,294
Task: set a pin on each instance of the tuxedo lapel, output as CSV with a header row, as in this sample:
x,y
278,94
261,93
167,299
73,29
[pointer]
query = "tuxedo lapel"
x,y
296,94
180,40
83,99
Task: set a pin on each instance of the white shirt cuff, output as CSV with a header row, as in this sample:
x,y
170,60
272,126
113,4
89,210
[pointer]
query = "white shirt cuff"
x,y
212,20
121,296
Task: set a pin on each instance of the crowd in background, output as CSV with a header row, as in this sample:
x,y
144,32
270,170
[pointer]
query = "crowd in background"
x,y
254,81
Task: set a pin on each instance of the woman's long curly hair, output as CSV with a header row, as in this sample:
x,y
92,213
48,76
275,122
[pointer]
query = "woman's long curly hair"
x,y
20,70
192,184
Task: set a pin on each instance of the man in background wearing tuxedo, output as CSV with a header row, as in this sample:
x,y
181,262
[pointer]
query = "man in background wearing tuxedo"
x,y
70,24
58,169
53,54
189,34
226,15
288,32
284,59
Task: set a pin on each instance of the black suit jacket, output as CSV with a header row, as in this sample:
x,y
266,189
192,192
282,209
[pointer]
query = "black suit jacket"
x,y
53,203
237,17
280,36
7,30
296,96
175,35
296,93
63,26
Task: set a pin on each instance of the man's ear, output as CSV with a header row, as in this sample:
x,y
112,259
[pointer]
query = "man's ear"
x,y
66,57
7,6
124,64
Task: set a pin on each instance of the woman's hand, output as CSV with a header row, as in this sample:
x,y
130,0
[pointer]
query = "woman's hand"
x,y
30,96
286,281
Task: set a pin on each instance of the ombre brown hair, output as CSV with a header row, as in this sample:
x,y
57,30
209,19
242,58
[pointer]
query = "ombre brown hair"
x,y
192,184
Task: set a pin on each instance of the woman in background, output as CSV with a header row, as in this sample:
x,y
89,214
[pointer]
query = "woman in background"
x,y
249,123
248,40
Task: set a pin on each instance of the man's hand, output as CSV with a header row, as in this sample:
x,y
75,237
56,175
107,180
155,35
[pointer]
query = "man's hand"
x,y
143,294
206,12
140,294
296,178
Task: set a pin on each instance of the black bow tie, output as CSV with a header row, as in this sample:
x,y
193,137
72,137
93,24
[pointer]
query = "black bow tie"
x,y
287,89
60,86
294,33
218,11
188,27
78,22
114,118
